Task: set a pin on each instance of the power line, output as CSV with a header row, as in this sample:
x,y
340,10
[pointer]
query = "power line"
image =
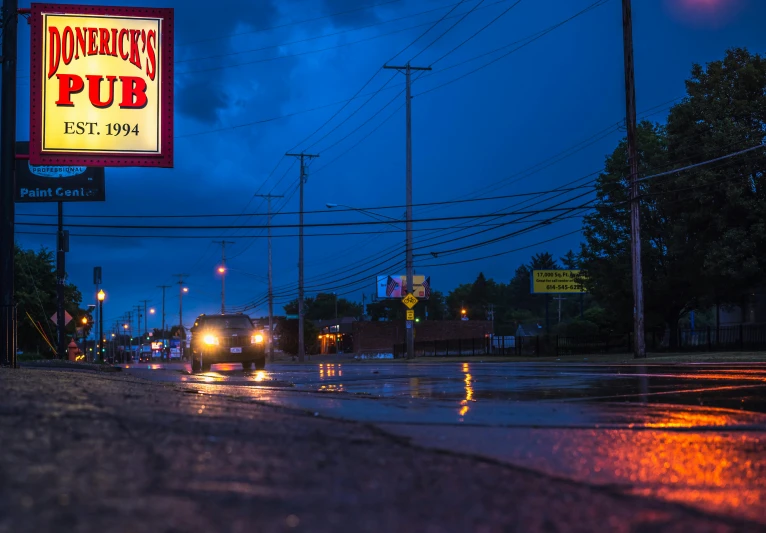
x,y
596,4
490,23
445,32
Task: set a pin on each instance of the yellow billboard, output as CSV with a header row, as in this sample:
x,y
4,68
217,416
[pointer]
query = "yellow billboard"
x,y
556,281
101,86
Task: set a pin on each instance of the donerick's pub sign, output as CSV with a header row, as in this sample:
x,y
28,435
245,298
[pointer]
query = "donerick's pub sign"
x,y
101,86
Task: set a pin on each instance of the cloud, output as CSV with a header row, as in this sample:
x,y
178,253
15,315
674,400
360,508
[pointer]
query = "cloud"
x,y
201,97
350,13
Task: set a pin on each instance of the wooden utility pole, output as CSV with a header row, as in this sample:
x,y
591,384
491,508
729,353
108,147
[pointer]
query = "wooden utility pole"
x,y
408,75
271,287
8,320
163,287
639,348
181,331
301,343
137,308
222,270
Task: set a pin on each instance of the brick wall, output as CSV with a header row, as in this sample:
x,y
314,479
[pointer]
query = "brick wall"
x,y
381,336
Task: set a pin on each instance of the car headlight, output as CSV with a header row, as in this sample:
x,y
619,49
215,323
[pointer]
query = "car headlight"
x,y
256,339
211,339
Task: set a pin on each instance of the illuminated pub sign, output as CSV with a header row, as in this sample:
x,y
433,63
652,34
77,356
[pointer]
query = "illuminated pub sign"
x,y
101,86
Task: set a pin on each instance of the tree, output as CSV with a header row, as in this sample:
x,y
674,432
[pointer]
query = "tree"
x,y
724,112
287,331
322,307
543,261
702,229
393,309
571,261
669,252
35,293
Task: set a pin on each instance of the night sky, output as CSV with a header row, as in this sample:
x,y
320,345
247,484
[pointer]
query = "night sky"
x,y
501,130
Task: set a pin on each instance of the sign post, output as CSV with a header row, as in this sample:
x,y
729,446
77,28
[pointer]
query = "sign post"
x,y
101,95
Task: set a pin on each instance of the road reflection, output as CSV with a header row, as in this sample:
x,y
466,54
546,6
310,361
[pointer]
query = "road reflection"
x,y
468,392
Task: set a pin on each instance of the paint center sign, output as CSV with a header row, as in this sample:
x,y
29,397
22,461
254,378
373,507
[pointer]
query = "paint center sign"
x,y
102,80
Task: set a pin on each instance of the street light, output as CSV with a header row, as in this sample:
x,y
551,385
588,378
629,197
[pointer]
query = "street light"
x,y
101,298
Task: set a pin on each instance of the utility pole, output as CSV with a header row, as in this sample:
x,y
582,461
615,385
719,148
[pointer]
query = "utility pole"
x,y
181,331
301,343
408,74
180,283
222,271
130,333
163,287
559,298
8,321
146,318
138,329
271,287
639,349
60,277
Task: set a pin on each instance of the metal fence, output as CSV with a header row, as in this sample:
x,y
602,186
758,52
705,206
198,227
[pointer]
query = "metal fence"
x,y
741,337
446,348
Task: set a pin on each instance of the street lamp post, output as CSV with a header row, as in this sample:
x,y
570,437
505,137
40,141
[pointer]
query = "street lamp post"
x,y
101,298
130,343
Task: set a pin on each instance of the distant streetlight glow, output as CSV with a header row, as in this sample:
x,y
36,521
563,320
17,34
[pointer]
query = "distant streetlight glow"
x,y
221,270
152,311
101,295
186,289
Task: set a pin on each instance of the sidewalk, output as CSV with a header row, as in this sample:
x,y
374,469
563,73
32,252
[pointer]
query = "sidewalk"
x,y
84,451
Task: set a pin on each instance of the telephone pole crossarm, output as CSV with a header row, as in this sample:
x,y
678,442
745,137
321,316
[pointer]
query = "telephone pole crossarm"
x,y
302,181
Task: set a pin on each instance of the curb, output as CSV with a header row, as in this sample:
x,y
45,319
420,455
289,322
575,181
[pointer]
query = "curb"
x,y
68,365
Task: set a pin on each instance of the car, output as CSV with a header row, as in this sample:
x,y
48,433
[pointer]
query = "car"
x,y
226,338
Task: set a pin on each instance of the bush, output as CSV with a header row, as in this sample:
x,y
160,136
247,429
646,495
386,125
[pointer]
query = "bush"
x,y
288,337
577,328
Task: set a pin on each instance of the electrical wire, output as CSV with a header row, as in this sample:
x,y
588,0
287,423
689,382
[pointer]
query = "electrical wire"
x,y
490,23
461,19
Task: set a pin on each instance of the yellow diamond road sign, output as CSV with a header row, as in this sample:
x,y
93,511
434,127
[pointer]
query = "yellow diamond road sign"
x,y
410,301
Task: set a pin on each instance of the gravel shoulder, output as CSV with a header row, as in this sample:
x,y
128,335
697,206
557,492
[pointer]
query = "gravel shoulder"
x,y
84,451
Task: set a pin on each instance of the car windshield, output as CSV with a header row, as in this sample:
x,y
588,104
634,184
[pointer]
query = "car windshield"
x,y
228,322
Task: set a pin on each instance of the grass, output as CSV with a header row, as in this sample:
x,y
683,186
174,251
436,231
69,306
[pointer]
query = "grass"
x,y
26,357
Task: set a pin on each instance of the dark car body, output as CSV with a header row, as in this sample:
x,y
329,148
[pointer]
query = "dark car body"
x,y
226,338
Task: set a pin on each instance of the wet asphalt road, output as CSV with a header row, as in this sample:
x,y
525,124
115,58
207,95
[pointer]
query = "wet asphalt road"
x,y
689,433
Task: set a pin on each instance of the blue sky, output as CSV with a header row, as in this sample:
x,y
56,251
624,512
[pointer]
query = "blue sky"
x,y
476,136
